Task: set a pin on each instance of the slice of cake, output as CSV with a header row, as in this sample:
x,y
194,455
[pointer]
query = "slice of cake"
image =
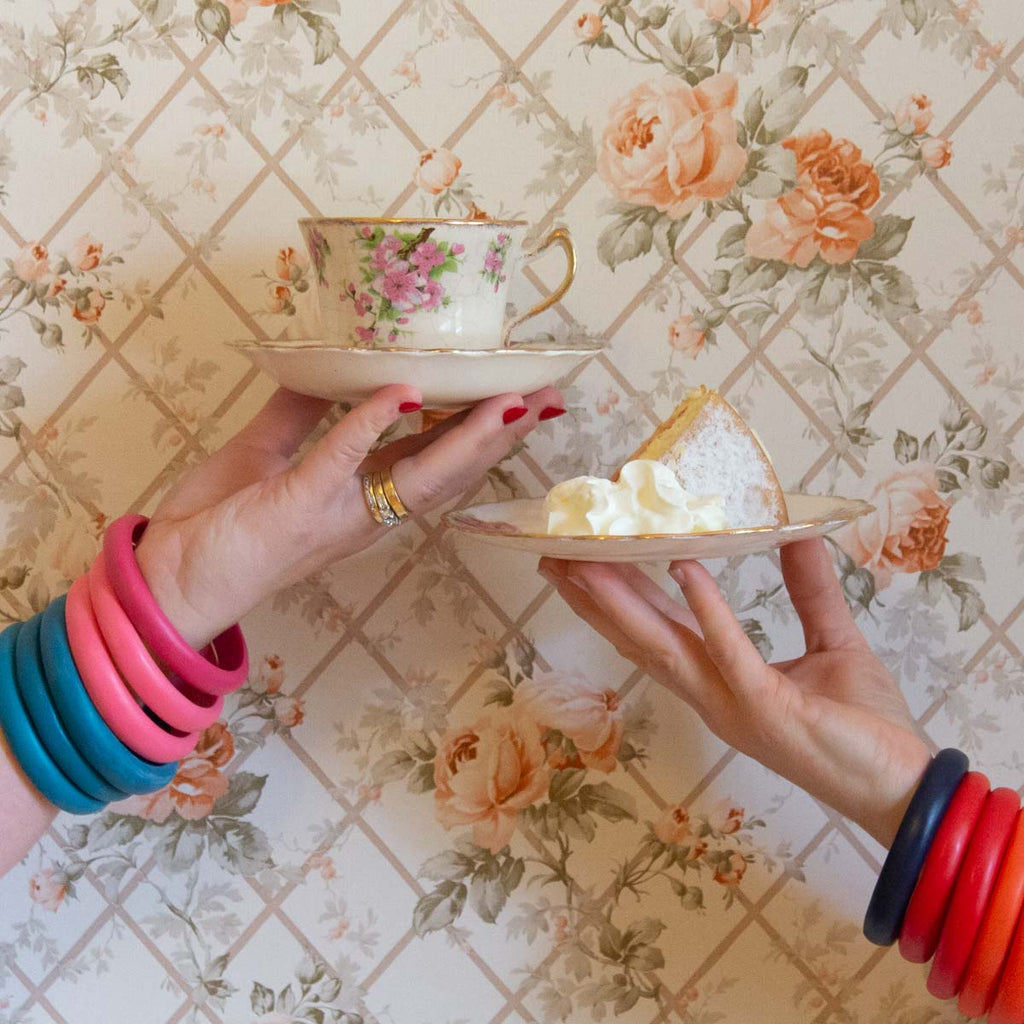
x,y
713,452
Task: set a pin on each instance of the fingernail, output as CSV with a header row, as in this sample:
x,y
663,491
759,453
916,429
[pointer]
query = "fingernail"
x,y
548,575
551,412
517,413
410,407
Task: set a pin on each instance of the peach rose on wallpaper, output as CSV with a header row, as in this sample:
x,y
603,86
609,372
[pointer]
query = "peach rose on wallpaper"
x,y
725,818
825,214
731,870
32,263
589,716
749,11
47,888
588,26
486,773
289,711
914,110
673,827
437,171
671,145
89,308
937,153
685,337
907,530
197,784
85,253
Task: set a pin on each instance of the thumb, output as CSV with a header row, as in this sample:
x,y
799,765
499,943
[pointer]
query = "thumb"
x,y
336,457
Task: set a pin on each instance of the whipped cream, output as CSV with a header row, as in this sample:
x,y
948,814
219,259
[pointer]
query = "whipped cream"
x,y
647,498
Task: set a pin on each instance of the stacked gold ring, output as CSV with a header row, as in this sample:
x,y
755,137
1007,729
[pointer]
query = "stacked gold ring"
x,y
382,498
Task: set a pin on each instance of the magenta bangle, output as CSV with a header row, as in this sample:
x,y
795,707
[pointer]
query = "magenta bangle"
x,y
126,719
179,705
156,630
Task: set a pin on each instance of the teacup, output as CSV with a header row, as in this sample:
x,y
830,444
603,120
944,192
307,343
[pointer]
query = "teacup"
x,y
423,284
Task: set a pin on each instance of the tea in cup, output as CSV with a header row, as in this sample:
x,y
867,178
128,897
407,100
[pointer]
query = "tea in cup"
x,y
422,284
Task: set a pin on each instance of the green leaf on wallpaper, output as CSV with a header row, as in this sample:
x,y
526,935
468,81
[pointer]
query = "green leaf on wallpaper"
x,y
422,779
754,275
102,70
608,802
882,290
439,908
451,865
905,447
773,110
666,233
680,35
890,234
994,473
261,999
730,244
244,791
628,236
914,11
394,765
322,33
758,637
238,846
487,895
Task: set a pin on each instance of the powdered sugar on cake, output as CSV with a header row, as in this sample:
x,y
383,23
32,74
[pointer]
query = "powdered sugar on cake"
x,y
718,459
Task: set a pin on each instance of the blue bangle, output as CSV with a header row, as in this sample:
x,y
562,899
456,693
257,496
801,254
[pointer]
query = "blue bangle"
x,y
120,766
26,746
31,683
899,874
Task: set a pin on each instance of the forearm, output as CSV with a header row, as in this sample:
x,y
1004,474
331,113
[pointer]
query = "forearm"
x,y
26,813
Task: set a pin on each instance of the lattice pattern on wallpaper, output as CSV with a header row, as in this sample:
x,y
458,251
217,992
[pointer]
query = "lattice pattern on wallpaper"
x,y
152,163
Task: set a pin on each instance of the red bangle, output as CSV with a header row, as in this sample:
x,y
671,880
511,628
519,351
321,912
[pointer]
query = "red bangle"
x,y
166,643
1008,1006
993,940
972,890
927,909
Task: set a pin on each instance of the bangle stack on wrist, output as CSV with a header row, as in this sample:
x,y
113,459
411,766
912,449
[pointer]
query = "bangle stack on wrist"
x,y
952,889
88,713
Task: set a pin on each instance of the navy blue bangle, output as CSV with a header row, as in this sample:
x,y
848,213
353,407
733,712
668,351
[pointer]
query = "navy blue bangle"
x,y
906,857
120,766
31,683
25,744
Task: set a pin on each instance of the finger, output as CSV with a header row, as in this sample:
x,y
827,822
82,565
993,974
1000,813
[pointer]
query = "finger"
x,y
653,594
336,457
404,447
817,597
284,422
728,647
458,458
667,650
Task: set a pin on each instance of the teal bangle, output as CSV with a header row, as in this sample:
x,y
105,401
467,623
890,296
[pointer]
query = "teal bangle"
x,y
31,683
96,743
25,745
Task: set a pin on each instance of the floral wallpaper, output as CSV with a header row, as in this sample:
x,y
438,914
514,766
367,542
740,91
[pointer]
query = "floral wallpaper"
x,y
440,798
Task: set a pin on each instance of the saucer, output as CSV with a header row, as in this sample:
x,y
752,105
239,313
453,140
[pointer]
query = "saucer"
x,y
520,524
448,378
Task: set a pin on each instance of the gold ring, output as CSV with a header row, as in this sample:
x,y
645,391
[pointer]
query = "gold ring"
x,y
391,494
388,515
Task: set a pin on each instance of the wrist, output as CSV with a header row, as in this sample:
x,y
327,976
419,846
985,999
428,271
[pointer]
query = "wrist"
x,y
898,782
161,563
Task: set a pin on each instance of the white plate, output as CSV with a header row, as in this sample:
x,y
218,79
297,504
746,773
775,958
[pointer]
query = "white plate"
x,y
448,378
521,525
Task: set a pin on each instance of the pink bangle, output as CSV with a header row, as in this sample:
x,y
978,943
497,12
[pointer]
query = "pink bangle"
x,y
179,705
126,719
156,630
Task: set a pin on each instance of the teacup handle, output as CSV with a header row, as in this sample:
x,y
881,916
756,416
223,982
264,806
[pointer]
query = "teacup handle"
x,y
559,237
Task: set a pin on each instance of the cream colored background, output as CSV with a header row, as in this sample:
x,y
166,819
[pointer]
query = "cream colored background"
x,y
197,214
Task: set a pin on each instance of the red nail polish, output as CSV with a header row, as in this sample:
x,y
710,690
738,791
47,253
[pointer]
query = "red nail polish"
x,y
511,415
551,412
410,407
